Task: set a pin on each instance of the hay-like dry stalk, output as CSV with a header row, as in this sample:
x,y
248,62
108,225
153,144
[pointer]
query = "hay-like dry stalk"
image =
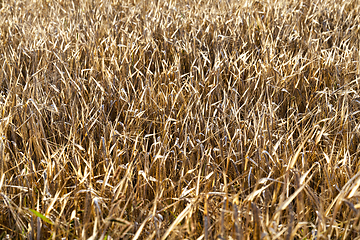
x,y
179,119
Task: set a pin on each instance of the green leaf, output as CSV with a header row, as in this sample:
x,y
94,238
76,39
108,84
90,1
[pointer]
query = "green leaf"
x,y
36,213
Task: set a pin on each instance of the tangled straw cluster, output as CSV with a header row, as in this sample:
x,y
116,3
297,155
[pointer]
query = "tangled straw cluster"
x,y
179,119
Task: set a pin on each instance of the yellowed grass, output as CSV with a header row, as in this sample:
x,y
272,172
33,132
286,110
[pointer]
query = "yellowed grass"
x,y
179,119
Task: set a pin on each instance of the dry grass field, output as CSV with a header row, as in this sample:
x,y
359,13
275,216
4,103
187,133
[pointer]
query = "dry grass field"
x,y
179,119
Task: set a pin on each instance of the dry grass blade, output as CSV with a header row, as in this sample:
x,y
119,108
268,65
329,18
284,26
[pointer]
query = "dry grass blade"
x,y
178,219
288,200
206,218
256,221
237,223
